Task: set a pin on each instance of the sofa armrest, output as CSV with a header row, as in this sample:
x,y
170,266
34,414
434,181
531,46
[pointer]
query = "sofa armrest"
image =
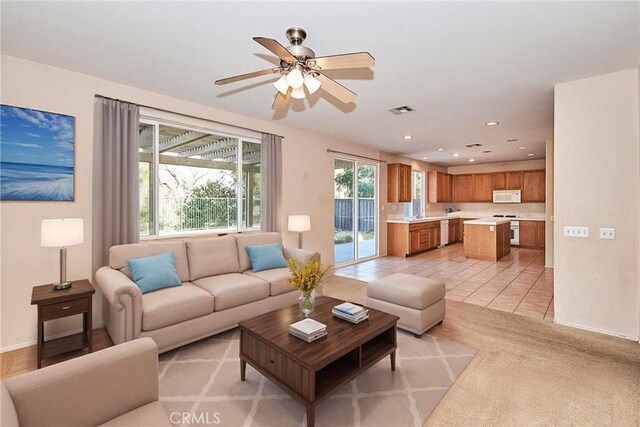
x,y
89,390
122,304
300,254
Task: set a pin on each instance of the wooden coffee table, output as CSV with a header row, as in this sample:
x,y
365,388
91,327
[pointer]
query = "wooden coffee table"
x,y
310,372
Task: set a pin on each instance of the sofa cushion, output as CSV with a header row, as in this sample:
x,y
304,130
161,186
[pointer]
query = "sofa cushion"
x,y
174,305
149,415
8,416
118,255
278,279
266,257
211,257
152,273
234,289
407,290
252,239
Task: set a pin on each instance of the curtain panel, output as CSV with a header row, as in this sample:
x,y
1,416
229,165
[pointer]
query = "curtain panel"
x,y
271,182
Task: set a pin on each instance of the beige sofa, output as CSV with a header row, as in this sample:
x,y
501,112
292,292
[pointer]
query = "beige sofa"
x,y
117,386
218,290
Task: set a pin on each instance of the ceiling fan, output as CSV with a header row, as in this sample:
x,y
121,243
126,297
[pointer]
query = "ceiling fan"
x,y
300,68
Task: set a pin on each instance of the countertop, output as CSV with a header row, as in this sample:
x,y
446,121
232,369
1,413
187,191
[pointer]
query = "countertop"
x,y
487,221
467,215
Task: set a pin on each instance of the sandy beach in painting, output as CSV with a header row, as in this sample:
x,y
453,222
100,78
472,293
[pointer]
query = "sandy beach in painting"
x,y
20,181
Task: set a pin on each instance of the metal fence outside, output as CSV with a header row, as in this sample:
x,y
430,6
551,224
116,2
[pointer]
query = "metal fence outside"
x,y
204,213
343,215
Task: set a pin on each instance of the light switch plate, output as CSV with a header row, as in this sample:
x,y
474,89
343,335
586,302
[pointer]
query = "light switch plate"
x,y
576,231
608,233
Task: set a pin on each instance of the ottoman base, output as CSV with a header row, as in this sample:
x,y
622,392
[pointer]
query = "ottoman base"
x,y
411,319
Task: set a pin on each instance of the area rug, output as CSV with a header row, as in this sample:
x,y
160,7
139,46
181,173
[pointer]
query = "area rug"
x,y
200,385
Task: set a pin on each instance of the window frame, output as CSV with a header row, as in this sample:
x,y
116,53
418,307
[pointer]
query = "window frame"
x,y
156,119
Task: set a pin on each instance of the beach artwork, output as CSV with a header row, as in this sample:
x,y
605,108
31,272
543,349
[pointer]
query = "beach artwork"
x,y
36,155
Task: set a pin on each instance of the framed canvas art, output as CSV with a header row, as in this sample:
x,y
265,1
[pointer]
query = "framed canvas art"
x,y
36,155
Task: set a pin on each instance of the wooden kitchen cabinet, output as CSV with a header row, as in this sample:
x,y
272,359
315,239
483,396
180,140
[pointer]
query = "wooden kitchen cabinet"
x,y
483,187
533,186
463,188
532,234
398,183
407,239
454,226
439,187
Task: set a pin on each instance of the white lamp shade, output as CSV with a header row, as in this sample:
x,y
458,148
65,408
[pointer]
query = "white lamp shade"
x,y
311,83
282,85
299,223
295,79
298,93
62,232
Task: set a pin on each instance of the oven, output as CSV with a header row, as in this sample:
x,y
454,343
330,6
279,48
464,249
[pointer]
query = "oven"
x,y
515,232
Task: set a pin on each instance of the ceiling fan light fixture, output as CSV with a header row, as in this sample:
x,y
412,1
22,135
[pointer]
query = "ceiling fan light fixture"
x,y
282,85
311,83
298,93
295,79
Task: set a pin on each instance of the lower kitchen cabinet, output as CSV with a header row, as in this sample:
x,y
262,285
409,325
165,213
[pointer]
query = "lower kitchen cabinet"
x,y
408,239
454,228
532,234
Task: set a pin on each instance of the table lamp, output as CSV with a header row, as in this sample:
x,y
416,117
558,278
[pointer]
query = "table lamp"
x,y
60,233
299,223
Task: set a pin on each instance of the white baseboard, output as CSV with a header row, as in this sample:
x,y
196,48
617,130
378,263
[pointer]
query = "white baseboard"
x,y
52,337
597,330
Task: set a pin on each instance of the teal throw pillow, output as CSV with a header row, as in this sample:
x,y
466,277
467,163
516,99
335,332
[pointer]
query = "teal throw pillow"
x,y
155,272
266,257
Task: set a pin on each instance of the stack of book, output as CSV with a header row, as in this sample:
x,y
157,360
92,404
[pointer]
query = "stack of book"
x,y
351,312
308,330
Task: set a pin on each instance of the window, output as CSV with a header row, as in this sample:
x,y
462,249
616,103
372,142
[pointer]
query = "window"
x,y
416,207
194,179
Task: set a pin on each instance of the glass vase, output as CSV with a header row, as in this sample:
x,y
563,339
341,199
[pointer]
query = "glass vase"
x,y
307,302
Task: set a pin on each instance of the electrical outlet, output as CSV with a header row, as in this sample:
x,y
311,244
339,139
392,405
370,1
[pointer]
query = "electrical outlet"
x,y
576,231
608,233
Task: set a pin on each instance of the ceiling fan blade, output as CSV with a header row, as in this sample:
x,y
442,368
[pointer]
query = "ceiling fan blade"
x,y
247,76
347,60
276,48
336,89
281,100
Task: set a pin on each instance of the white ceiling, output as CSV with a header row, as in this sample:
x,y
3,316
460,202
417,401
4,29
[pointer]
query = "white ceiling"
x,y
458,64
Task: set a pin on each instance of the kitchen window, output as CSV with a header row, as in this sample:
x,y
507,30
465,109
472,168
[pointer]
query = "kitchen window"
x,y
195,179
417,206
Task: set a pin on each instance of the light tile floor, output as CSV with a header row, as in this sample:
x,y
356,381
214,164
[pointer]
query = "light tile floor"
x,y
518,283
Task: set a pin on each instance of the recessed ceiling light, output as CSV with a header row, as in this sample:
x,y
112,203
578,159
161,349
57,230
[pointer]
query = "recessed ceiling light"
x,y
440,149
407,137
456,155
472,160
425,158
492,124
530,154
522,148
512,140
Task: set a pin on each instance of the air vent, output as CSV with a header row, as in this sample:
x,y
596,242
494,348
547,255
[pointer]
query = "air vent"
x,y
512,140
401,110
486,151
473,145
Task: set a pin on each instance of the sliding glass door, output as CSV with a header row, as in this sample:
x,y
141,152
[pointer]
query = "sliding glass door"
x,y
355,213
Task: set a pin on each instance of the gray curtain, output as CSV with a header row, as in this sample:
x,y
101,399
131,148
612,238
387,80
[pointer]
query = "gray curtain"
x,y
271,182
117,183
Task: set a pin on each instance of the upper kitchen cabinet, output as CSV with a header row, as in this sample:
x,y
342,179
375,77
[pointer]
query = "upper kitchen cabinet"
x,y
483,188
507,180
533,186
463,188
398,183
440,187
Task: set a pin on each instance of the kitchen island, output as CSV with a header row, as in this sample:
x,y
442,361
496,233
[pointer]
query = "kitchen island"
x,y
487,239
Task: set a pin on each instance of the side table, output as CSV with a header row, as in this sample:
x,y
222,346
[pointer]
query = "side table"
x,y
56,304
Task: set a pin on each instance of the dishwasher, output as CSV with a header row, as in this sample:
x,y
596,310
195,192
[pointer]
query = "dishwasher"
x,y
444,232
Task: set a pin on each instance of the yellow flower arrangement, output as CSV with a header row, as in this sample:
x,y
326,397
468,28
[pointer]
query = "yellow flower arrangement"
x,y
307,276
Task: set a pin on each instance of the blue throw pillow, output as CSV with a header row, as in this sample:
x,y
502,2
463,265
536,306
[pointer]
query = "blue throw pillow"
x,y
266,257
156,272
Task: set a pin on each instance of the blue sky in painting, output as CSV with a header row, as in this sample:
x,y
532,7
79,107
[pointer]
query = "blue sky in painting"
x,y
35,137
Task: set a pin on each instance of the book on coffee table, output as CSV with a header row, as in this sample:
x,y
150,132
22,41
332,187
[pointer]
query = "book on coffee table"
x,y
350,312
308,330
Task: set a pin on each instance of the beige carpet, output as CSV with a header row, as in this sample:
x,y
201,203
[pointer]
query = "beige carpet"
x,y
529,372
202,380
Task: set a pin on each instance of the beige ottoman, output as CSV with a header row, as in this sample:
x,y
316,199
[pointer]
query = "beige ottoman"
x,y
417,301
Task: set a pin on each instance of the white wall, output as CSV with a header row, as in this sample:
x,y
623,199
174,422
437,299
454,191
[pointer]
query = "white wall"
x,y
307,175
597,184
548,232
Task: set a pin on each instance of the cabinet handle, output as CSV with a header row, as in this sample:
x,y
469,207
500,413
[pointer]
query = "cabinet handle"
x,y
66,308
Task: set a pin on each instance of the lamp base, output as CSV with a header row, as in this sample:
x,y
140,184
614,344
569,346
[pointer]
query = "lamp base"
x,y
61,285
